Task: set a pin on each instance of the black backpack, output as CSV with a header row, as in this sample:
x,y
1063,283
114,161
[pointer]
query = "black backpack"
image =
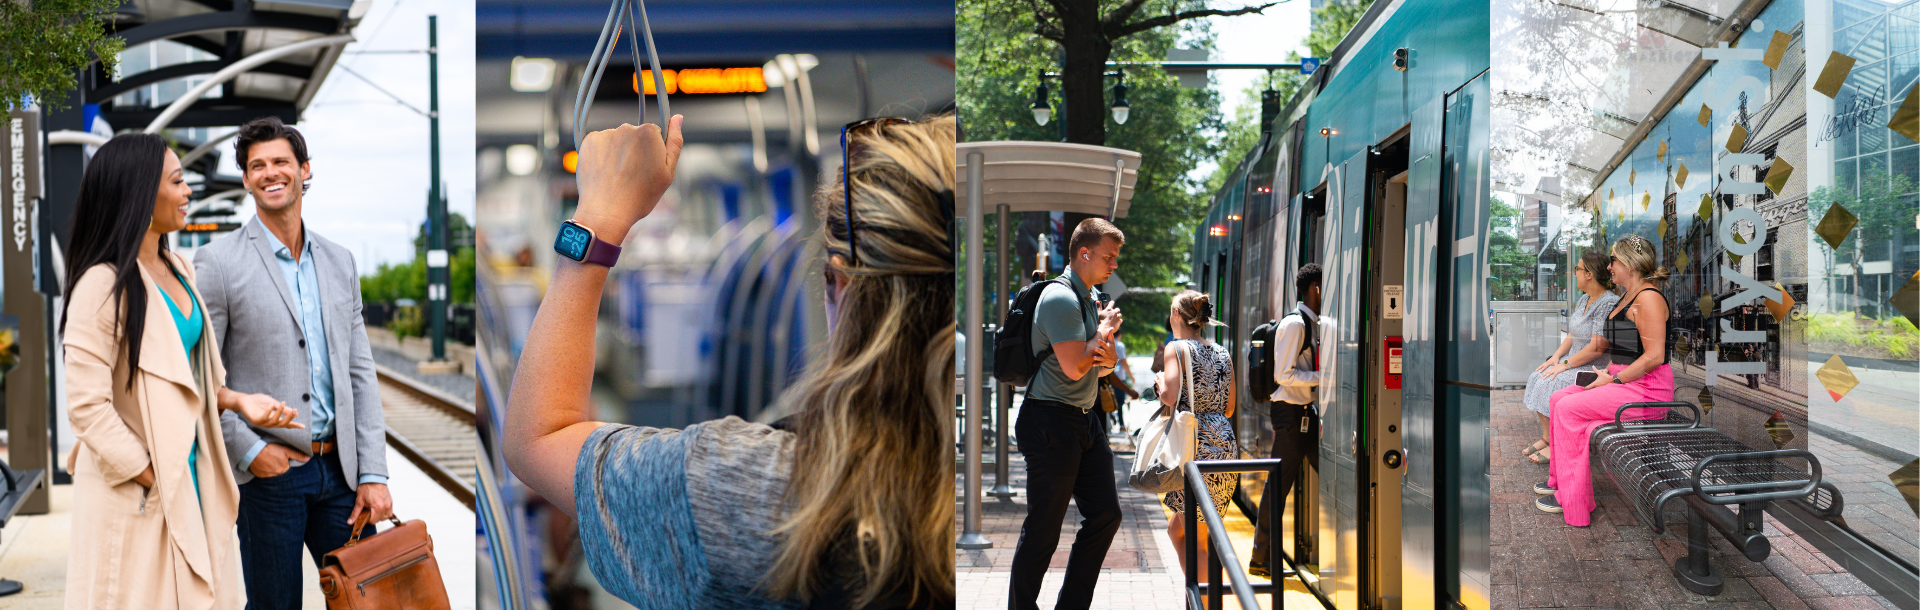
x,y
1014,360
1260,361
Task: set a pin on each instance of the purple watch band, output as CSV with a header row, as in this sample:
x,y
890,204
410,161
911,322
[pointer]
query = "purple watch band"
x,y
602,253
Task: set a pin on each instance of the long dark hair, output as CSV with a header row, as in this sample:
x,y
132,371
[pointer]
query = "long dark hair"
x,y
116,207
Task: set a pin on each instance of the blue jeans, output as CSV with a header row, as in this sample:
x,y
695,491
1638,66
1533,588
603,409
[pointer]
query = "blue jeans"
x,y
308,504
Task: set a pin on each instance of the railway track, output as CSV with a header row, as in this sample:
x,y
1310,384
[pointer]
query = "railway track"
x,y
434,430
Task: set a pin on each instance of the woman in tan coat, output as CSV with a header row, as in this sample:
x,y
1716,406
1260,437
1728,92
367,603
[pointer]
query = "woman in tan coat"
x,y
154,497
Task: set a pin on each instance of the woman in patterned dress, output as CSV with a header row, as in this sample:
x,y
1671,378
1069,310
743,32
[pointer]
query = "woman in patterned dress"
x,y
1582,345
1212,404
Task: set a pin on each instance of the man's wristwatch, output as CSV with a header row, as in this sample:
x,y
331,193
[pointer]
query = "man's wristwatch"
x,y
579,243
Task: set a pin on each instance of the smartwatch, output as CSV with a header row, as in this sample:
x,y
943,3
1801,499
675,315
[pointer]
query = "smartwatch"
x,y
579,243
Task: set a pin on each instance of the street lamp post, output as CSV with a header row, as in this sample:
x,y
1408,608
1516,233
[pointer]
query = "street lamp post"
x,y
1043,111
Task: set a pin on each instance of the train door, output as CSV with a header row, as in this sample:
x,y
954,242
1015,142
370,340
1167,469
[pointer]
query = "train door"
x,y
1341,377
1384,298
1445,489
1300,524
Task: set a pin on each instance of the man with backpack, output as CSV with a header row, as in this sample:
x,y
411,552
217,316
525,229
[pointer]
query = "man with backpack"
x,y
1295,365
1060,432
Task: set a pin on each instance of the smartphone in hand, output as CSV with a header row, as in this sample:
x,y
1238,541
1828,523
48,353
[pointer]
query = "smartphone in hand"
x,y
1585,378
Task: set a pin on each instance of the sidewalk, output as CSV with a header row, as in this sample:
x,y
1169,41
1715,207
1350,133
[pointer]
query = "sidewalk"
x,y
1135,574
34,548
1141,571
1540,562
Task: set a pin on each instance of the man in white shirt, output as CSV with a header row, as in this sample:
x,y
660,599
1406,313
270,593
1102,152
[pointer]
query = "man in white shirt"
x,y
1296,427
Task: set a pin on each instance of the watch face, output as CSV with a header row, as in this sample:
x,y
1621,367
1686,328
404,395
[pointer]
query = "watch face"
x,y
572,242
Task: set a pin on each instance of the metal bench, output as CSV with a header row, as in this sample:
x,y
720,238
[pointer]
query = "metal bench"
x,y
1653,462
15,485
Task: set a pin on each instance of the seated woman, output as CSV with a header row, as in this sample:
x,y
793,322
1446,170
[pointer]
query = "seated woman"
x,y
1635,333
850,506
1212,404
1582,345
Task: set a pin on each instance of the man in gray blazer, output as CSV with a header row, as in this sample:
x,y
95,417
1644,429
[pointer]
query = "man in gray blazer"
x,y
284,304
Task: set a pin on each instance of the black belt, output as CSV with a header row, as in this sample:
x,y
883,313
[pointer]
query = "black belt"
x,y
1056,404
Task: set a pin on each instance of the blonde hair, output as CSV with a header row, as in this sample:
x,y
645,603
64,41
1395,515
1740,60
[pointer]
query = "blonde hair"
x,y
1637,253
1196,308
873,462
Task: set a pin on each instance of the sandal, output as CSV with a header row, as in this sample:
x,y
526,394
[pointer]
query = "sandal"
x,y
1541,456
1536,446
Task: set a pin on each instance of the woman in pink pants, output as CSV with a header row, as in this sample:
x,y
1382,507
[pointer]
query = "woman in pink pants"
x,y
1635,333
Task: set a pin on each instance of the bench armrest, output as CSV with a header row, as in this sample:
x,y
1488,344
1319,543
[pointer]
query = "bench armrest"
x,y
1756,492
1644,405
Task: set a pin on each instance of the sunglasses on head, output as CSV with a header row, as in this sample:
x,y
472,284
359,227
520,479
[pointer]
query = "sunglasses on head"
x,y
846,170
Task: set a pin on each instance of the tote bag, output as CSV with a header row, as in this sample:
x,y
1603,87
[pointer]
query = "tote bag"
x,y
1167,443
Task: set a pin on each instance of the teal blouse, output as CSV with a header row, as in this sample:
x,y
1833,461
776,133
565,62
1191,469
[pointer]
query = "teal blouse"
x,y
189,325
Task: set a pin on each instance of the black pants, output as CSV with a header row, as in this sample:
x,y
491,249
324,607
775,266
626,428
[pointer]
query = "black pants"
x,y
1295,449
1067,459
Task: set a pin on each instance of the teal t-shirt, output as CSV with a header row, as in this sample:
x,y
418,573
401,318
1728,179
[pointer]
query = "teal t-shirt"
x,y
189,326
1063,315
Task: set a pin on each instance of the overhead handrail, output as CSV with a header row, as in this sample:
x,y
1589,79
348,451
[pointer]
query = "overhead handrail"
x,y
597,66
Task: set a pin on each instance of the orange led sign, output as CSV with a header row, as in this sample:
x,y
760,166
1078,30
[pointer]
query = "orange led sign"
x,y
209,227
704,80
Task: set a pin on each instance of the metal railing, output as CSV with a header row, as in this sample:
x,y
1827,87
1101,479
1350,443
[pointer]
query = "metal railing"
x,y
494,507
1223,558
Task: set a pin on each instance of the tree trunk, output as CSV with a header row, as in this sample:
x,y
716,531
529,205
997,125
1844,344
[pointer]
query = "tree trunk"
x,y
1086,51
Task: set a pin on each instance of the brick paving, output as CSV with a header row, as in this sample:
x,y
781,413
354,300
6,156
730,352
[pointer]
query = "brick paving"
x,y
1141,571
1618,562
1134,575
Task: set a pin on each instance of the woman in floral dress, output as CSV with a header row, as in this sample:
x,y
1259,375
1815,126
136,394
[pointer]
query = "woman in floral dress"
x,y
1212,404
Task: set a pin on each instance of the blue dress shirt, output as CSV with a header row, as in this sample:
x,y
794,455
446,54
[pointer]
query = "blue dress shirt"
x,y
304,284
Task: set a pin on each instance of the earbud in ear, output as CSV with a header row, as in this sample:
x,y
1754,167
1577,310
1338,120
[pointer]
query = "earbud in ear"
x,y
1086,257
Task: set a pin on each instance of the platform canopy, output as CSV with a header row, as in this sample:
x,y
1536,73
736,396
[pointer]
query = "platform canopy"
x,y
1051,177
1581,81
173,45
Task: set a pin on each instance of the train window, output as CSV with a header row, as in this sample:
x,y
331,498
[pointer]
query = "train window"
x,y
1313,217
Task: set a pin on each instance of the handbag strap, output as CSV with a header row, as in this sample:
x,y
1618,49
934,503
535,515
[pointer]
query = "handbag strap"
x,y
366,517
1186,364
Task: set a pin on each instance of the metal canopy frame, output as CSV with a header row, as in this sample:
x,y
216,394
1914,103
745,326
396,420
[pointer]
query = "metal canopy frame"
x,y
232,32
1580,124
1014,176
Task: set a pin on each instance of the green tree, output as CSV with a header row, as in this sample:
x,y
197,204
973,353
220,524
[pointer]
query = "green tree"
x,y
1331,23
1886,205
46,41
394,281
1172,128
1089,34
1511,265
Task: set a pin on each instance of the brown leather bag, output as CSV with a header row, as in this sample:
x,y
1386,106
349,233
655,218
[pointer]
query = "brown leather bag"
x,y
390,569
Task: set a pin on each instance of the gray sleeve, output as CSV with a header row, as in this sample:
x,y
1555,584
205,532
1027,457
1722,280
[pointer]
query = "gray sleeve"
x,y
210,279
636,524
370,420
1058,317
737,475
